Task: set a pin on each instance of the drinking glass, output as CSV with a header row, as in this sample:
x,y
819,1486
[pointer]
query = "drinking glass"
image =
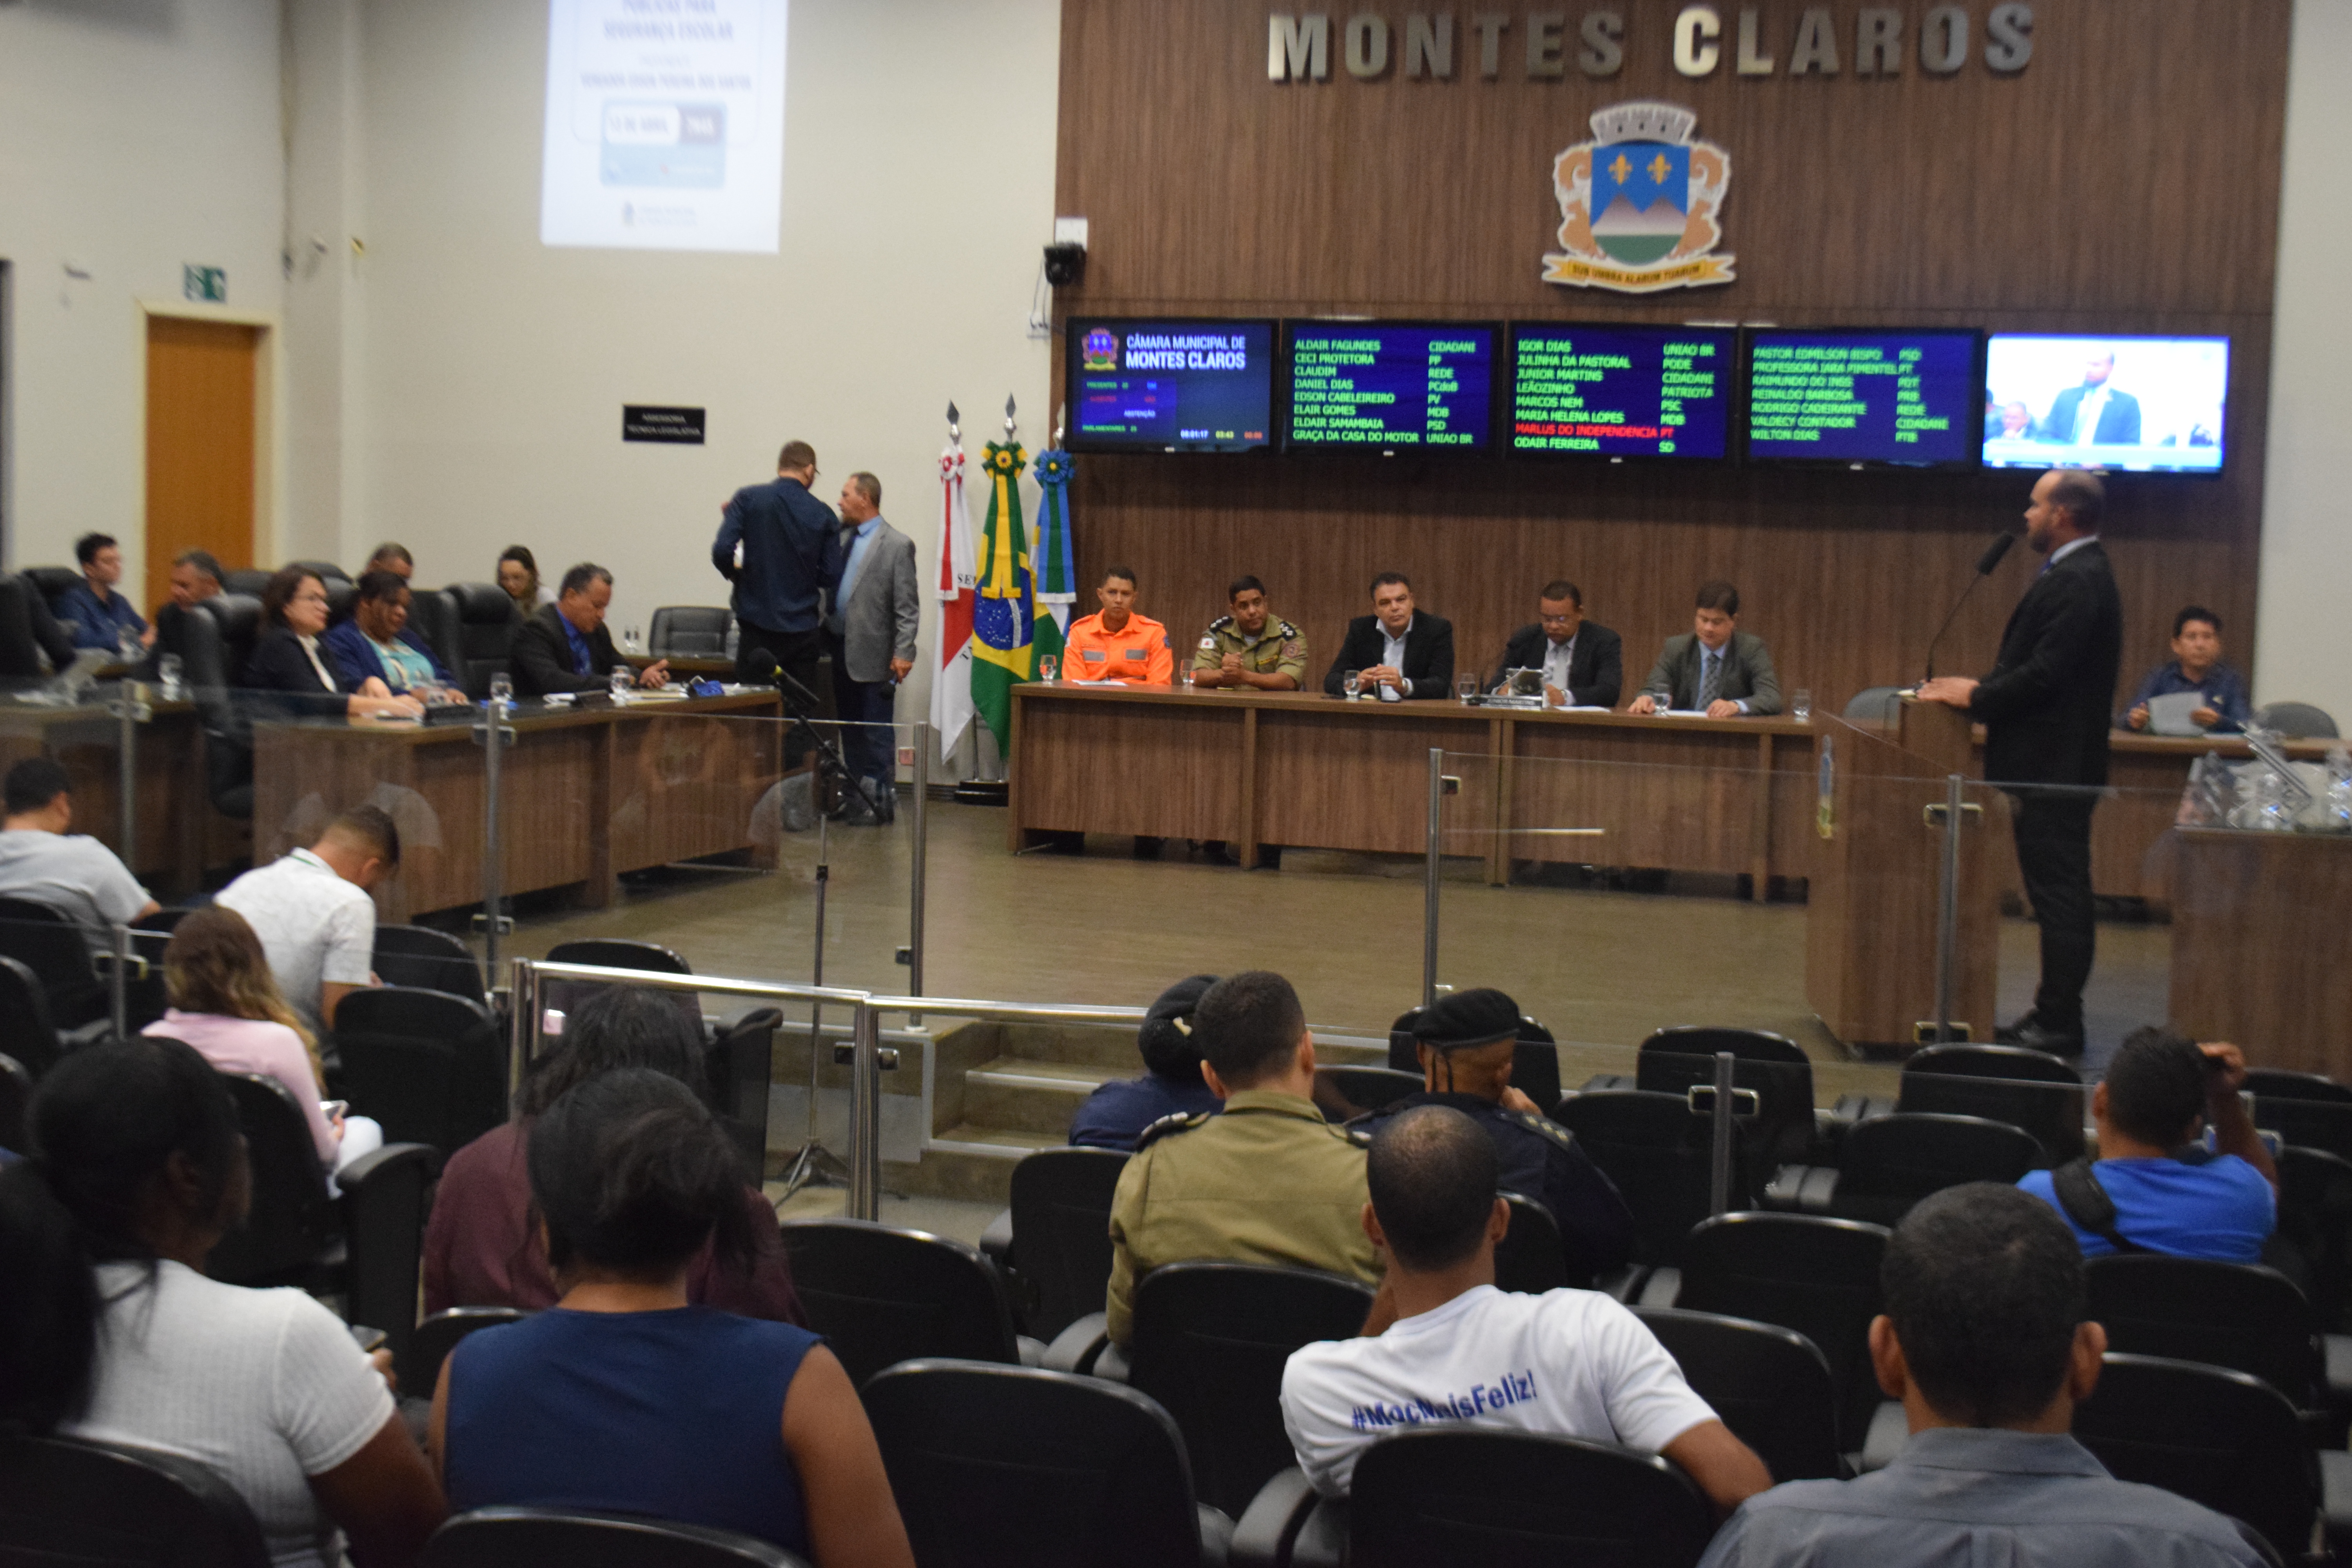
x,y
1661,703
167,671
126,643
502,689
623,678
1048,666
1465,687
1351,683
629,642
1801,707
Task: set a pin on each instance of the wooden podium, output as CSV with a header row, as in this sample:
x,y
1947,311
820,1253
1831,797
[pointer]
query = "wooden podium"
x,y
1870,918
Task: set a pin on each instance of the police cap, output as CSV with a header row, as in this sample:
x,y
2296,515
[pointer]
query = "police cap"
x,y
1468,1019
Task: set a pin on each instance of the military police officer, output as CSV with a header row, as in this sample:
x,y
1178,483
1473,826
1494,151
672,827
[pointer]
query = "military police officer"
x,y
1251,648
1465,1042
1265,1180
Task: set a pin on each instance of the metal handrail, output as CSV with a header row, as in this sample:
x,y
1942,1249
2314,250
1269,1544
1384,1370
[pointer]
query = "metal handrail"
x,y
1007,1012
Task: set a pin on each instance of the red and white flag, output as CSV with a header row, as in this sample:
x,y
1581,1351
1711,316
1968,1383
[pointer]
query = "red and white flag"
x,y
951,709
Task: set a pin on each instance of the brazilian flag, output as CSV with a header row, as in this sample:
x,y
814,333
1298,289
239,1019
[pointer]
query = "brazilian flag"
x,y
1005,602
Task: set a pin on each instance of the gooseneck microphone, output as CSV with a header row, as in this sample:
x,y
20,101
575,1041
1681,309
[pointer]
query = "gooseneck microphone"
x,y
1985,564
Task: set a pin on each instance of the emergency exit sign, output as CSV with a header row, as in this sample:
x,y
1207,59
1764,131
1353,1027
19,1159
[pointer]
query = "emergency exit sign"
x,y
208,284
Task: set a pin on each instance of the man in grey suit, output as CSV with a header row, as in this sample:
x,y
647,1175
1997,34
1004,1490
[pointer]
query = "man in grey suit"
x,y
1714,668
871,622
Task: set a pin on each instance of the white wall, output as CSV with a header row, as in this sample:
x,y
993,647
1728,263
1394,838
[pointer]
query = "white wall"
x,y
918,173
135,135
2306,570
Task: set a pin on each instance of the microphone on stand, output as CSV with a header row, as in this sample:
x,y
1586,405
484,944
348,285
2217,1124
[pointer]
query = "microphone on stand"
x,y
1985,564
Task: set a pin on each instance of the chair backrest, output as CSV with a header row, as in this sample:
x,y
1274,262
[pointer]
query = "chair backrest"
x,y
1401,1051
2032,1090
2314,1222
1887,1163
1368,1088
2297,721
1529,1259
1672,1061
1210,1341
326,572
614,953
383,1206
24,1018
292,1219
46,942
1534,1064
738,1067
431,1067
427,959
1875,705
486,624
2212,1436
550,1538
236,626
1817,1276
689,631
997,1464
1772,1385
246,580
2279,1083
1660,1153
82,1504
20,652
1061,1231
2241,1316
437,1335
2309,1122
435,614
341,598
53,580
1464,1495
881,1296
15,1094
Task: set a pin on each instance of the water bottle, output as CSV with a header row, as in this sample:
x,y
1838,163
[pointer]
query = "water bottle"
x,y
2335,806
2273,811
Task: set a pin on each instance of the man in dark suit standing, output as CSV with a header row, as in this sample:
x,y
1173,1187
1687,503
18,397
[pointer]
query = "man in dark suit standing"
x,y
2095,413
2045,709
1583,662
1714,668
781,547
566,648
1395,651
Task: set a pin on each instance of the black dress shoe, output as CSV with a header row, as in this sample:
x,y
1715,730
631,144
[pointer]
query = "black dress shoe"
x,y
2035,1037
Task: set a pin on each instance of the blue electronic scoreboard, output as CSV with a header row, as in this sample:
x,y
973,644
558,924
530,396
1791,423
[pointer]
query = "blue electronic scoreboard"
x,y
1388,385
1908,399
1621,391
1169,386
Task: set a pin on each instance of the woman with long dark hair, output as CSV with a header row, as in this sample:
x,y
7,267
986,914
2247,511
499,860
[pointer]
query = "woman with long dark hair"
x,y
518,575
110,1329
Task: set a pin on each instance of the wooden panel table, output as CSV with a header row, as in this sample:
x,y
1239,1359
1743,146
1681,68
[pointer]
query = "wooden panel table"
x,y
179,831
2258,947
588,793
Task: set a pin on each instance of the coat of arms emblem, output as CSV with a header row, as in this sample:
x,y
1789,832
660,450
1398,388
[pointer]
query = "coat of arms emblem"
x,y
1638,204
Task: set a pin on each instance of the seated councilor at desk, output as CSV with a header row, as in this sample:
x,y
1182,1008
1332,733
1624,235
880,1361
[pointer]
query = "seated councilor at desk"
x,y
1583,662
1394,650
565,648
378,641
1713,669
290,663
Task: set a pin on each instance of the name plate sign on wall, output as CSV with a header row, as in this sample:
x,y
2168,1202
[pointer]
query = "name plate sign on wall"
x,y
651,422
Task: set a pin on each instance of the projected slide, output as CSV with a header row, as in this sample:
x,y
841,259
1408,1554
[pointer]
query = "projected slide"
x,y
1386,385
2110,402
1170,386
1622,392
664,124
1908,398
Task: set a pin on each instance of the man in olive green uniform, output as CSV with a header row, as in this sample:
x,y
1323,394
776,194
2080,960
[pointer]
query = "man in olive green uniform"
x,y
1252,648
1265,1180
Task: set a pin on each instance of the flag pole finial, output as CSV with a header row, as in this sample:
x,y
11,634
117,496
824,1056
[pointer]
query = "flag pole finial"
x,y
1061,421
1010,425
955,431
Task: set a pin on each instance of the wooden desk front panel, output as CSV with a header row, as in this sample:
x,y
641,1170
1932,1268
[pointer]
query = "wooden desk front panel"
x,y
2258,950
1341,776
1683,797
684,786
1153,764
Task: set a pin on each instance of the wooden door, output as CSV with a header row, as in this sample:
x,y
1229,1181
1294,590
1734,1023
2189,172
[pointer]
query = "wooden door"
x,y
200,444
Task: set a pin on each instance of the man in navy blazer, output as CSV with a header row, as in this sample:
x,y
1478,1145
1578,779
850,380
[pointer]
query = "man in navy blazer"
x,y
1584,661
1396,651
2045,708
2114,417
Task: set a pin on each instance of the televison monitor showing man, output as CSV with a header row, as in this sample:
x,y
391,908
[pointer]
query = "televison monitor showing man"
x,y
1170,386
2140,403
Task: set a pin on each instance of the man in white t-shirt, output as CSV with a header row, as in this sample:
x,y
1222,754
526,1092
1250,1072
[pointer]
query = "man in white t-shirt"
x,y
1570,1363
312,911
42,863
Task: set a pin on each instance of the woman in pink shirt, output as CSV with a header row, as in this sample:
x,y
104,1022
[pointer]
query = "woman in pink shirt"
x,y
226,1004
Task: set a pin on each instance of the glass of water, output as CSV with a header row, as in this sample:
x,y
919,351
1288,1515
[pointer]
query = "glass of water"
x,y
623,678
1661,703
1465,687
630,642
1048,666
1801,707
502,689
167,672
1351,683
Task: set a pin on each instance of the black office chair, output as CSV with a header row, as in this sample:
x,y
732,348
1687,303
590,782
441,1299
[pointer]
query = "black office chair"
x,y
2216,1436
1875,705
49,633
428,959
20,650
1512,1499
437,1335
1060,1233
2282,1084
326,572
551,1538
383,1210
15,1094
1209,1343
247,580
1772,1385
1674,1060
49,943
53,580
881,1295
24,1018
2032,1090
2315,1230
341,597
996,1464
1358,1089
486,621
2242,1316
1534,1064
738,1064
614,953
2305,1120
290,1235
434,614
220,635
1889,1162
431,1067
688,631
2297,721
1529,1259
75,1503
1660,1153
1816,1276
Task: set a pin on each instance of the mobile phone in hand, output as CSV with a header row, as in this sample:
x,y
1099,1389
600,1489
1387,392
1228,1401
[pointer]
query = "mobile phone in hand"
x,y
369,1340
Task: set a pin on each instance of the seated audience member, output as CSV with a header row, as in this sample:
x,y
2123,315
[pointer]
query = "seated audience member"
x,y
624,1397
1984,1343
377,643
225,1002
392,558
2196,667
1116,643
1115,1116
1250,646
518,575
93,610
1465,1042
1266,1180
564,646
195,577
1579,1365
2155,1186
290,663
42,863
1395,651
2016,424
1583,662
1713,669
109,1329
310,909
481,1247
